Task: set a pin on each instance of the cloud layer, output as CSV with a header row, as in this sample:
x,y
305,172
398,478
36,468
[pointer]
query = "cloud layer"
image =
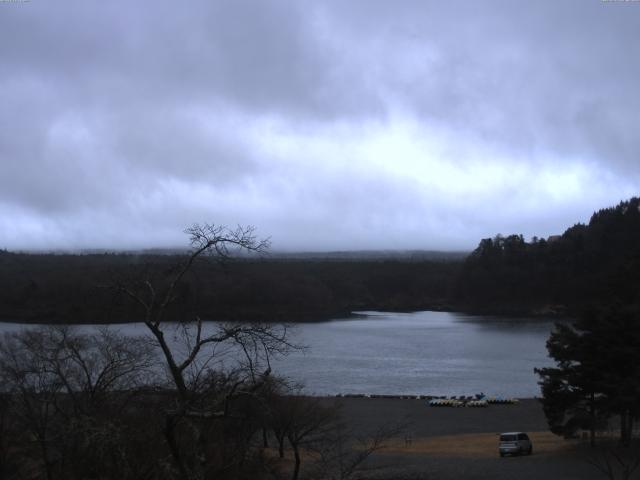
x,y
332,125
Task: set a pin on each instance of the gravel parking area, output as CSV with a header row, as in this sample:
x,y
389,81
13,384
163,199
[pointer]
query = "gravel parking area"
x,y
461,443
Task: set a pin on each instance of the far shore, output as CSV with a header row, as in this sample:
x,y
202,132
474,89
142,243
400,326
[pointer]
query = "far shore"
x,y
506,313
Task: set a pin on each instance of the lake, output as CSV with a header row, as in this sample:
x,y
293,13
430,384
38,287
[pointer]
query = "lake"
x,y
421,353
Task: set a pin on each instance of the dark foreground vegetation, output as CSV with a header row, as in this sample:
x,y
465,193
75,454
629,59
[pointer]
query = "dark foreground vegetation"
x,y
98,406
188,401
588,265
596,380
594,388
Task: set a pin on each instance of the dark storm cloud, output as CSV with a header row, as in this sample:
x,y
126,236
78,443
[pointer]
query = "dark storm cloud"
x,y
262,56
360,124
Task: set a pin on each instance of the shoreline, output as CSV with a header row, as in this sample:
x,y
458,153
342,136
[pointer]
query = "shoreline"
x,y
422,420
506,314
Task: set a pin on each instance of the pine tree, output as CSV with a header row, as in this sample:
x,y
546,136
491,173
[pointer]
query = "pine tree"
x,y
597,373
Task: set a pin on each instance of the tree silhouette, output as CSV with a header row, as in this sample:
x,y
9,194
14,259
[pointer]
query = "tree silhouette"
x,y
597,373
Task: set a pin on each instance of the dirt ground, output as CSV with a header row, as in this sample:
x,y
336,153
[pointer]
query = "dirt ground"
x,y
462,443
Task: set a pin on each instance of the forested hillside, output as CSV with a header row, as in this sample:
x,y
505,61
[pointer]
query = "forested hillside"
x,y
593,264
81,288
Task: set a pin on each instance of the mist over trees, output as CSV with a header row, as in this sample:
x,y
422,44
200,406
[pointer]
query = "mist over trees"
x,y
587,265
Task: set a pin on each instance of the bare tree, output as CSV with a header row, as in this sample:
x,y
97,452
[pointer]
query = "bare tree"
x,y
6,404
35,390
206,240
63,386
305,422
616,463
315,430
345,454
91,367
198,355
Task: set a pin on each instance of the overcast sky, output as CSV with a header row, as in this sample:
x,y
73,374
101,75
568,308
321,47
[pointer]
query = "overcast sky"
x,y
325,124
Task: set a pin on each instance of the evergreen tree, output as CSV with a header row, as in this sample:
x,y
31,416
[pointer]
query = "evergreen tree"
x,y
586,266
597,373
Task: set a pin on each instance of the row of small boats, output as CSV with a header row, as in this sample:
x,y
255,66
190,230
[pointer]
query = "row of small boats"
x,y
482,402
460,401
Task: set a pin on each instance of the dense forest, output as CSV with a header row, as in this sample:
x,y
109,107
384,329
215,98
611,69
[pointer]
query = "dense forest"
x,y
588,265
81,288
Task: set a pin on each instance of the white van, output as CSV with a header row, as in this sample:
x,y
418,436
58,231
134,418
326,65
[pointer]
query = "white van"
x,y
515,443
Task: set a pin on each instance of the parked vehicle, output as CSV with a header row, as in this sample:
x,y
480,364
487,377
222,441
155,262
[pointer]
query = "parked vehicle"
x,y
515,443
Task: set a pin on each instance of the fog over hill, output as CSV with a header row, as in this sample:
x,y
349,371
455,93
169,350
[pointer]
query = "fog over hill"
x,y
406,255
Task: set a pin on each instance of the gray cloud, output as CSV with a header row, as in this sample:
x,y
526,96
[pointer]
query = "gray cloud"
x,y
548,75
361,124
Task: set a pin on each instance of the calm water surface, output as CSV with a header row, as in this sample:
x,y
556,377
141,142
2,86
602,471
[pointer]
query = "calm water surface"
x,y
437,353
430,353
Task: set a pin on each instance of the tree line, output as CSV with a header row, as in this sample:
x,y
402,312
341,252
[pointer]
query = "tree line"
x,y
585,267
59,288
